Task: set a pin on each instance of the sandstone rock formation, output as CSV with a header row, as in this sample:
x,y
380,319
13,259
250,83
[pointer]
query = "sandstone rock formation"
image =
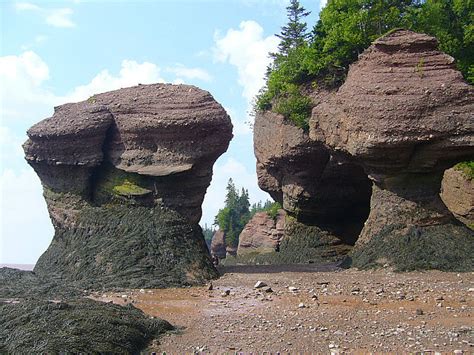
x,y
218,244
124,176
308,180
405,114
262,234
457,193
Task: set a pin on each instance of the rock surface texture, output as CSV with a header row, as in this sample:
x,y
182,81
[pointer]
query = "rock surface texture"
x,y
457,193
262,234
405,114
218,244
308,180
124,176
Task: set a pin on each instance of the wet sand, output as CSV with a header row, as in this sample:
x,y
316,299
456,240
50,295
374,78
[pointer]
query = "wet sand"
x,y
346,311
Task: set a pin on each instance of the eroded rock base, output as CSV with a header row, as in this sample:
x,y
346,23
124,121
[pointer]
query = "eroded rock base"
x,y
118,246
409,228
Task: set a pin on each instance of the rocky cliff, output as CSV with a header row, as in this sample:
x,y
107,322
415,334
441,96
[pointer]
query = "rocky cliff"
x,y
124,176
403,116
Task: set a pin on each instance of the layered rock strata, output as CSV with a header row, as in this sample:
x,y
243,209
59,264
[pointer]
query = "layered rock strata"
x,y
405,114
124,176
262,234
309,180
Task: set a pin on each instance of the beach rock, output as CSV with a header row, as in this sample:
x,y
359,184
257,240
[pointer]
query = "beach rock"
x,y
124,176
405,115
457,193
262,234
218,244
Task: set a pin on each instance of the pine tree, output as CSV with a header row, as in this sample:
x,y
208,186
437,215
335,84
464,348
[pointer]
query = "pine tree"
x,y
294,34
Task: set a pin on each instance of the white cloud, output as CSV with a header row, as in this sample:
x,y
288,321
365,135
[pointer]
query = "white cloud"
x,y
322,3
225,168
247,49
60,18
26,6
56,17
189,73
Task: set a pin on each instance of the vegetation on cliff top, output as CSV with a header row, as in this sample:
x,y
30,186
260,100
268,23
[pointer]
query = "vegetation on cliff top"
x,y
344,30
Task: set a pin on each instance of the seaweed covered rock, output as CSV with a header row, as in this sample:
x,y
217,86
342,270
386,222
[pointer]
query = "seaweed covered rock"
x,y
262,234
40,316
308,179
457,192
124,176
405,114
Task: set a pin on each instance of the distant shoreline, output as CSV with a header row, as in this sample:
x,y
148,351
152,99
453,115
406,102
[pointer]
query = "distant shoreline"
x,y
27,267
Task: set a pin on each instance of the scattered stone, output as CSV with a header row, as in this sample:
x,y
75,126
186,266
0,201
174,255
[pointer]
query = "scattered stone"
x,y
260,284
419,312
302,305
293,289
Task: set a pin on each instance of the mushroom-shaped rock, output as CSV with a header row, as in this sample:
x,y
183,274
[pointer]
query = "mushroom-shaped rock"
x,y
308,180
124,176
405,114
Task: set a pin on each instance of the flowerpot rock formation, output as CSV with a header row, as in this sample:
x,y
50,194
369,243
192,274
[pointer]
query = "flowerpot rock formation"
x,y
124,176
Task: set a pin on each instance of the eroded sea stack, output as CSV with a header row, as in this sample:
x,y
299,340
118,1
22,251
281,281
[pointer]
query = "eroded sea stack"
x,y
124,176
403,116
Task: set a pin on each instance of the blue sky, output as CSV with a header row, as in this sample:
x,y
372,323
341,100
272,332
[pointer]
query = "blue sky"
x,y
53,52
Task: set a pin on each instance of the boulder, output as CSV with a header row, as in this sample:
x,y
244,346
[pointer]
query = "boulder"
x,y
262,234
124,176
218,244
405,115
457,193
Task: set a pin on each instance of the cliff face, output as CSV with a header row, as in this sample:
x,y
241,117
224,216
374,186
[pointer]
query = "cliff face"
x,y
124,176
309,180
402,117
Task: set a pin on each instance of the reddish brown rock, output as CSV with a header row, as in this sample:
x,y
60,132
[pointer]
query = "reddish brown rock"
x,y
405,114
262,234
145,151
457,193
218,247
308,180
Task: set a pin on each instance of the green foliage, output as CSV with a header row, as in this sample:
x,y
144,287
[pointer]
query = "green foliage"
x,y
295,106
272,210
294,33
345,29
208,234
467,167
234,216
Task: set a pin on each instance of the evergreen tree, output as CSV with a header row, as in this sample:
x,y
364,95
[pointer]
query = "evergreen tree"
x,y
234,216
294,33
